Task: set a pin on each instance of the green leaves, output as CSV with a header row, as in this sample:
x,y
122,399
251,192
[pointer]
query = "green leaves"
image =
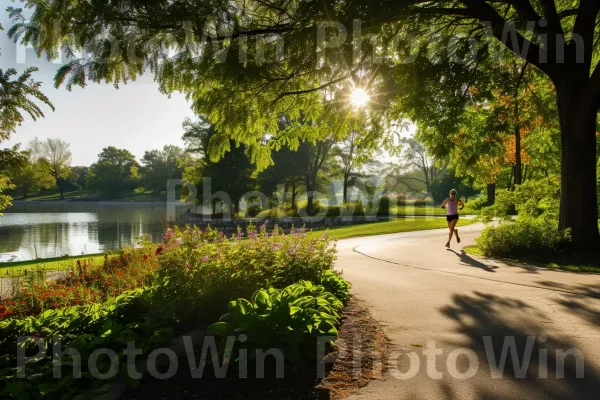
x,y
220,329
290,319
84,328
18,98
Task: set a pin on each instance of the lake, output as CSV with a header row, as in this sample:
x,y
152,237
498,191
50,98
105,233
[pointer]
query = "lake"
x,y
30,231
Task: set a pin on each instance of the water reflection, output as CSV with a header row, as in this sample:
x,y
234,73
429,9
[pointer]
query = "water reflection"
x,y
29,231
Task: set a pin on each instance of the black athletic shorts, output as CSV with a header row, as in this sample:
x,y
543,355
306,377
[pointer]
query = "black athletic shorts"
x,y
451,217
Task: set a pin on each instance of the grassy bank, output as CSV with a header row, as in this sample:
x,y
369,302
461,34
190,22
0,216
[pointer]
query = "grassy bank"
x,y
382,228
87,195
563,263
20,268
370,229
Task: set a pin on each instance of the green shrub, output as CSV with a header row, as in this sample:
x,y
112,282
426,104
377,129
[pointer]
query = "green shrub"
x,y
333,211
273,213
477,203
526,235
204,268
111,325
539,198
291,320
335,284
534,231
383,209
253,211
421,203
354,208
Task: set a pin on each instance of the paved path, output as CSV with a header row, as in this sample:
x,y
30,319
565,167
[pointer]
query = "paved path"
x,y
426,295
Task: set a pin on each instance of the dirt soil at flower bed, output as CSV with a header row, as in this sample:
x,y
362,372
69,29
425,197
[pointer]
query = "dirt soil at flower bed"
x,y
354,362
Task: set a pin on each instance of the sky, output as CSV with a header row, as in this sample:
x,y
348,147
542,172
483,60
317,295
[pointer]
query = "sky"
x,y
135,117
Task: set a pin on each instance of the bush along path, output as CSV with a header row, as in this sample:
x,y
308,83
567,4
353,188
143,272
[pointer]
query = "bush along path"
x,y
151,295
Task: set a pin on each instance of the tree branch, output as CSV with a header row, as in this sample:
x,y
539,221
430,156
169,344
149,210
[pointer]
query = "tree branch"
x,y
585,25
552,16
592,90
486,13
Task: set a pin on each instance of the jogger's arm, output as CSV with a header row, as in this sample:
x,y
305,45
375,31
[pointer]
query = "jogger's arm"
x,y
444,203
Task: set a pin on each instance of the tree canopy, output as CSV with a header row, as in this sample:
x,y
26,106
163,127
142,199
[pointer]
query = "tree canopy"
x,y
161,165
244,64
58,155
17,97
230,177
115,170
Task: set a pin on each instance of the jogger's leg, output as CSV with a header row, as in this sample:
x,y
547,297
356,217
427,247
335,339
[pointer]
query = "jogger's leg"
x,y
455,230
450,231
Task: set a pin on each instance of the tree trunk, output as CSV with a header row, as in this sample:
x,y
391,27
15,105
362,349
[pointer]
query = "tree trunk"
x,y
518,164
491,194
310,197
60,189
286,190
294,206
578,197
346,179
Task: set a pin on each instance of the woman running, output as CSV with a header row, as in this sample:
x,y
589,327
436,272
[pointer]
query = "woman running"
x,y
452,205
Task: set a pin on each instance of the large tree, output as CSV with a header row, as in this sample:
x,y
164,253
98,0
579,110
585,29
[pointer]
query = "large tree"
x,y
287,170
230,175
34,174
115,171
425,168
243,81
353,155
11,161
161,165
58,155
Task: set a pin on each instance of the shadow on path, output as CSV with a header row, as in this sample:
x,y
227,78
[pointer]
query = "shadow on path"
x,y
489,323
468,260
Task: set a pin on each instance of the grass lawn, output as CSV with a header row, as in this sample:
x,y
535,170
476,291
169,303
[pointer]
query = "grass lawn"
x,y
19,268
127,196
562,264
417,210
56,196
381,228
426,210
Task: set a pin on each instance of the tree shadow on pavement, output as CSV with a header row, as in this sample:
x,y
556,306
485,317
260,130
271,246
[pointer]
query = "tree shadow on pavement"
x,y
468,260
574,289
489,323
573,299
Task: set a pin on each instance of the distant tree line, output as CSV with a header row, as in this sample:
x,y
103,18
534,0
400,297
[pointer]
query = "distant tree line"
x,y
46,166
299,176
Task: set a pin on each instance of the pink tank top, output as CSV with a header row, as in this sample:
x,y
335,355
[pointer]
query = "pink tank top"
x,y
451,207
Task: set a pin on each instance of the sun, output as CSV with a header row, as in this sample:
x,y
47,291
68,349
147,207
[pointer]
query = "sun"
x,y
359,97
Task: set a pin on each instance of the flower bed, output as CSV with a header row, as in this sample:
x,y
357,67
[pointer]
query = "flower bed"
x,y
194,272
87,283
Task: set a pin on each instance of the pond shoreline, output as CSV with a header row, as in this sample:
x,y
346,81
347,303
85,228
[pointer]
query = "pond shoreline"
x,y
92,203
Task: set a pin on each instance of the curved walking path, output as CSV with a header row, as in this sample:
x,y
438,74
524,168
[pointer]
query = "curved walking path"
x,y
449,315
